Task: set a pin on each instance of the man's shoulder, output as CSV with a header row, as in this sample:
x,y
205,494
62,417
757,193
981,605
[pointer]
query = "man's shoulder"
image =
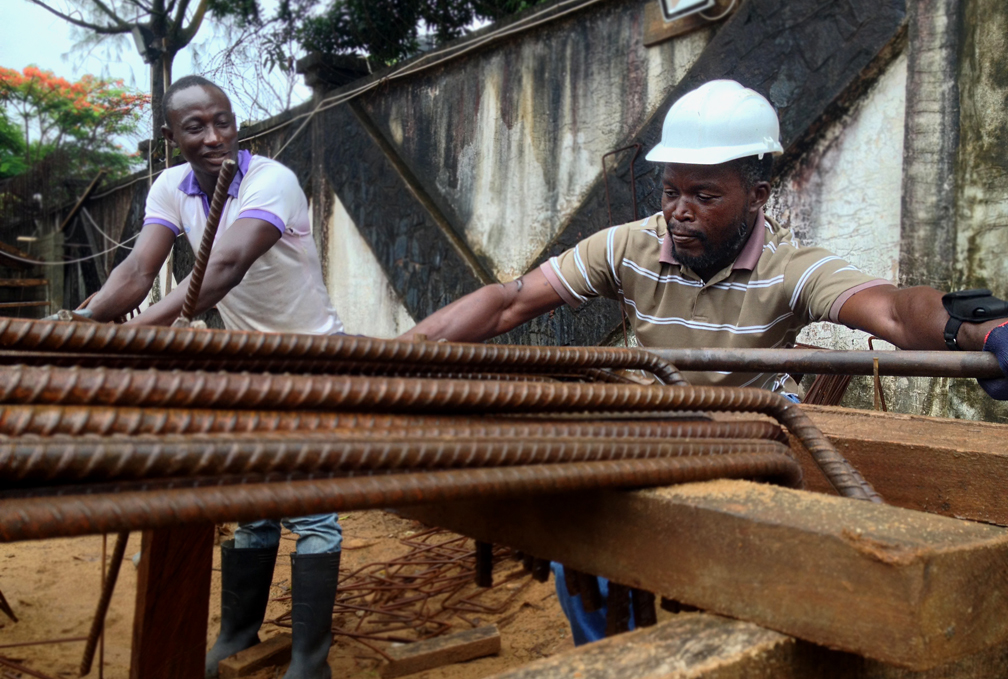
x,y
170,178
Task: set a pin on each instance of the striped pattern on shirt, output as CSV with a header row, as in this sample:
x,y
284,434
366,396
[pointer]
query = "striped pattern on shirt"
x,y
774,288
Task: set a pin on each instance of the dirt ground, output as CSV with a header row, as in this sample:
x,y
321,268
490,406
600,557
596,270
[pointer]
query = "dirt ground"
x,y
53,587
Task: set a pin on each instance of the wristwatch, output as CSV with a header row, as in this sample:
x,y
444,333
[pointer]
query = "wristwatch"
x,y
973,306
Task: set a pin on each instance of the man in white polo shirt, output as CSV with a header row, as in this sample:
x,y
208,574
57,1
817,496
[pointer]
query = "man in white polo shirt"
x,y
263,274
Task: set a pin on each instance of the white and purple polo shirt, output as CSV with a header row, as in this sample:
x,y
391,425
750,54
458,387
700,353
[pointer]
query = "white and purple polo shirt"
x,y
283,290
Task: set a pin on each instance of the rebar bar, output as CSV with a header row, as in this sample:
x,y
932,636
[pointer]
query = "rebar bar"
x,y
977,364
44,420
220,196
64,516
70,459
108,587
28,335
72,386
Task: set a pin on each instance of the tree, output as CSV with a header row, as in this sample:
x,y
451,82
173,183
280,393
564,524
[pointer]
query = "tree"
x,y
386,30
78,120
161,27
12,152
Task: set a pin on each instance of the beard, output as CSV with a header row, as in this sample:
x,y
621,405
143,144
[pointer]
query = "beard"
x,y
714,258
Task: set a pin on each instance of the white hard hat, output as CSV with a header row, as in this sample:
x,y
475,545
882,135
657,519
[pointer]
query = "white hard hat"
x,y
717,122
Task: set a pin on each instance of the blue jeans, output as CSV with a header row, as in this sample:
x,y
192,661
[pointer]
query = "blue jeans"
x,y
585,627
317,534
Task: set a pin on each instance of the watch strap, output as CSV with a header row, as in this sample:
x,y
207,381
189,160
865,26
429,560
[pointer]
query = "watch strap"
x,y
951,330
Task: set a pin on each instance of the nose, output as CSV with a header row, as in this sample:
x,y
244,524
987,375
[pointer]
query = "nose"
x,y
212,137
679,210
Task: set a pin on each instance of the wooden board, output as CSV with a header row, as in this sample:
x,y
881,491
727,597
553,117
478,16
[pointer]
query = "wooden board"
x,y
172,604
657,30
704,646
952,467
439,651
903,587
22,282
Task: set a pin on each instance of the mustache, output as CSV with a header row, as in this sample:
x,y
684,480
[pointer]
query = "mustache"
x,y
679,229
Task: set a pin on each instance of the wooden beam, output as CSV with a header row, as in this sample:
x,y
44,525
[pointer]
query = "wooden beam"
x,y
173,603
957,468
704,646
903,587
19,305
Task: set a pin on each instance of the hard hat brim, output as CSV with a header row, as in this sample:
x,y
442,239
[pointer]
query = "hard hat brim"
x,y
711,155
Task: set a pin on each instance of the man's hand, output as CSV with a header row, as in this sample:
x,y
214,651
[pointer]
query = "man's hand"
x,y
996,342
235,251
490,311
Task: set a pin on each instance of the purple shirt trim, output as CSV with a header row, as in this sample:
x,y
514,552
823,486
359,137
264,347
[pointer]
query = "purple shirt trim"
x,y
191,187
265,216
834,312
163,222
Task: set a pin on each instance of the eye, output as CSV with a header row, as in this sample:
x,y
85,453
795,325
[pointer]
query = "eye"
x,y
705,197
192,129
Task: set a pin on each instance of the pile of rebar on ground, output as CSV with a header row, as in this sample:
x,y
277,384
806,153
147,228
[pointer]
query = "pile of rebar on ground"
x,y
88,448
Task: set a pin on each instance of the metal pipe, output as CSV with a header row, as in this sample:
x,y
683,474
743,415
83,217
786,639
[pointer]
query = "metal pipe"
x,y
28,335
220,196
977,364
64,516
106,421
81,386
25,462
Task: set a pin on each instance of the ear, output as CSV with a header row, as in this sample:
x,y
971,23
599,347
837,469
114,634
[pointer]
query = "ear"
x,y
759,194
166,131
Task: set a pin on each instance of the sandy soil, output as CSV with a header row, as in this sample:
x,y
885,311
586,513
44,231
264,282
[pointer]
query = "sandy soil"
x,y
53,587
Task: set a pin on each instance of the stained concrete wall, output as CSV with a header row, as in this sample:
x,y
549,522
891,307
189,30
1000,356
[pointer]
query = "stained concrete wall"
x,y
509,144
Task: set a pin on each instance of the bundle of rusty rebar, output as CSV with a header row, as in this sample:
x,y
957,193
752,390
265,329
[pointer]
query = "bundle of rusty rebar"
x,y
86,448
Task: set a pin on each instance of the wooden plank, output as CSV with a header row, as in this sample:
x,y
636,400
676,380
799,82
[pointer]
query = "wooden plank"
x,y
903,587
704,646
12,257
444,650
657,30
173,603
270,653
956,468
22,282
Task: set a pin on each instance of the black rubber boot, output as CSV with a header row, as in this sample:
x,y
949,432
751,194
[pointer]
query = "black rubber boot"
x,y
313,594
246,576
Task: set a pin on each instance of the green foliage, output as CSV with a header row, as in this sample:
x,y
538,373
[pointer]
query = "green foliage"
x,y
77,120
387,30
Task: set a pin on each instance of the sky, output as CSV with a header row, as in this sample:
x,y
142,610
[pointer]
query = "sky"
x,y
31,35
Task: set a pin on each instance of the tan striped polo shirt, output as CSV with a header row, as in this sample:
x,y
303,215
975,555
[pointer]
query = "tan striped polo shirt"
x,y
774,288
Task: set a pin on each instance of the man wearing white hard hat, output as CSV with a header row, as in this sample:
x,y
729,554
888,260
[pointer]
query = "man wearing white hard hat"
x,y
711,270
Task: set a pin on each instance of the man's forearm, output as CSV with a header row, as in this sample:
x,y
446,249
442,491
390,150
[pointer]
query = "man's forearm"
x,y
217,282
473,318
123,292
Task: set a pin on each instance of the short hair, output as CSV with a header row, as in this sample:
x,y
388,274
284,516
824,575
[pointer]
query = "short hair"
x,y
753,169
185,83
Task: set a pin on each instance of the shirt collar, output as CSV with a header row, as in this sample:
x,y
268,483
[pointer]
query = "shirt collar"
x,y
191,187
746,260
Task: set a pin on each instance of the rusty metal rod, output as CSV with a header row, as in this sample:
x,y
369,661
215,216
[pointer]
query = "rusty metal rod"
x,y
64,516
80,420
290,365
61,460
220,196
28,335
73,386
108,587
977,364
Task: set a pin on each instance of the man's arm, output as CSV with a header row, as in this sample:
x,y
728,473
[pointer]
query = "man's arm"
x,y
910,318
242,244
130,282
490,311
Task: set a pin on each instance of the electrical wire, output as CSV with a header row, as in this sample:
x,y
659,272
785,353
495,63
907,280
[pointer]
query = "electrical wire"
x,y
722,15
99,229
69,261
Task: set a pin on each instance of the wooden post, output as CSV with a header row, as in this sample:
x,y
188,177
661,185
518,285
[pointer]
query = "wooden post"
x,y
172,605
